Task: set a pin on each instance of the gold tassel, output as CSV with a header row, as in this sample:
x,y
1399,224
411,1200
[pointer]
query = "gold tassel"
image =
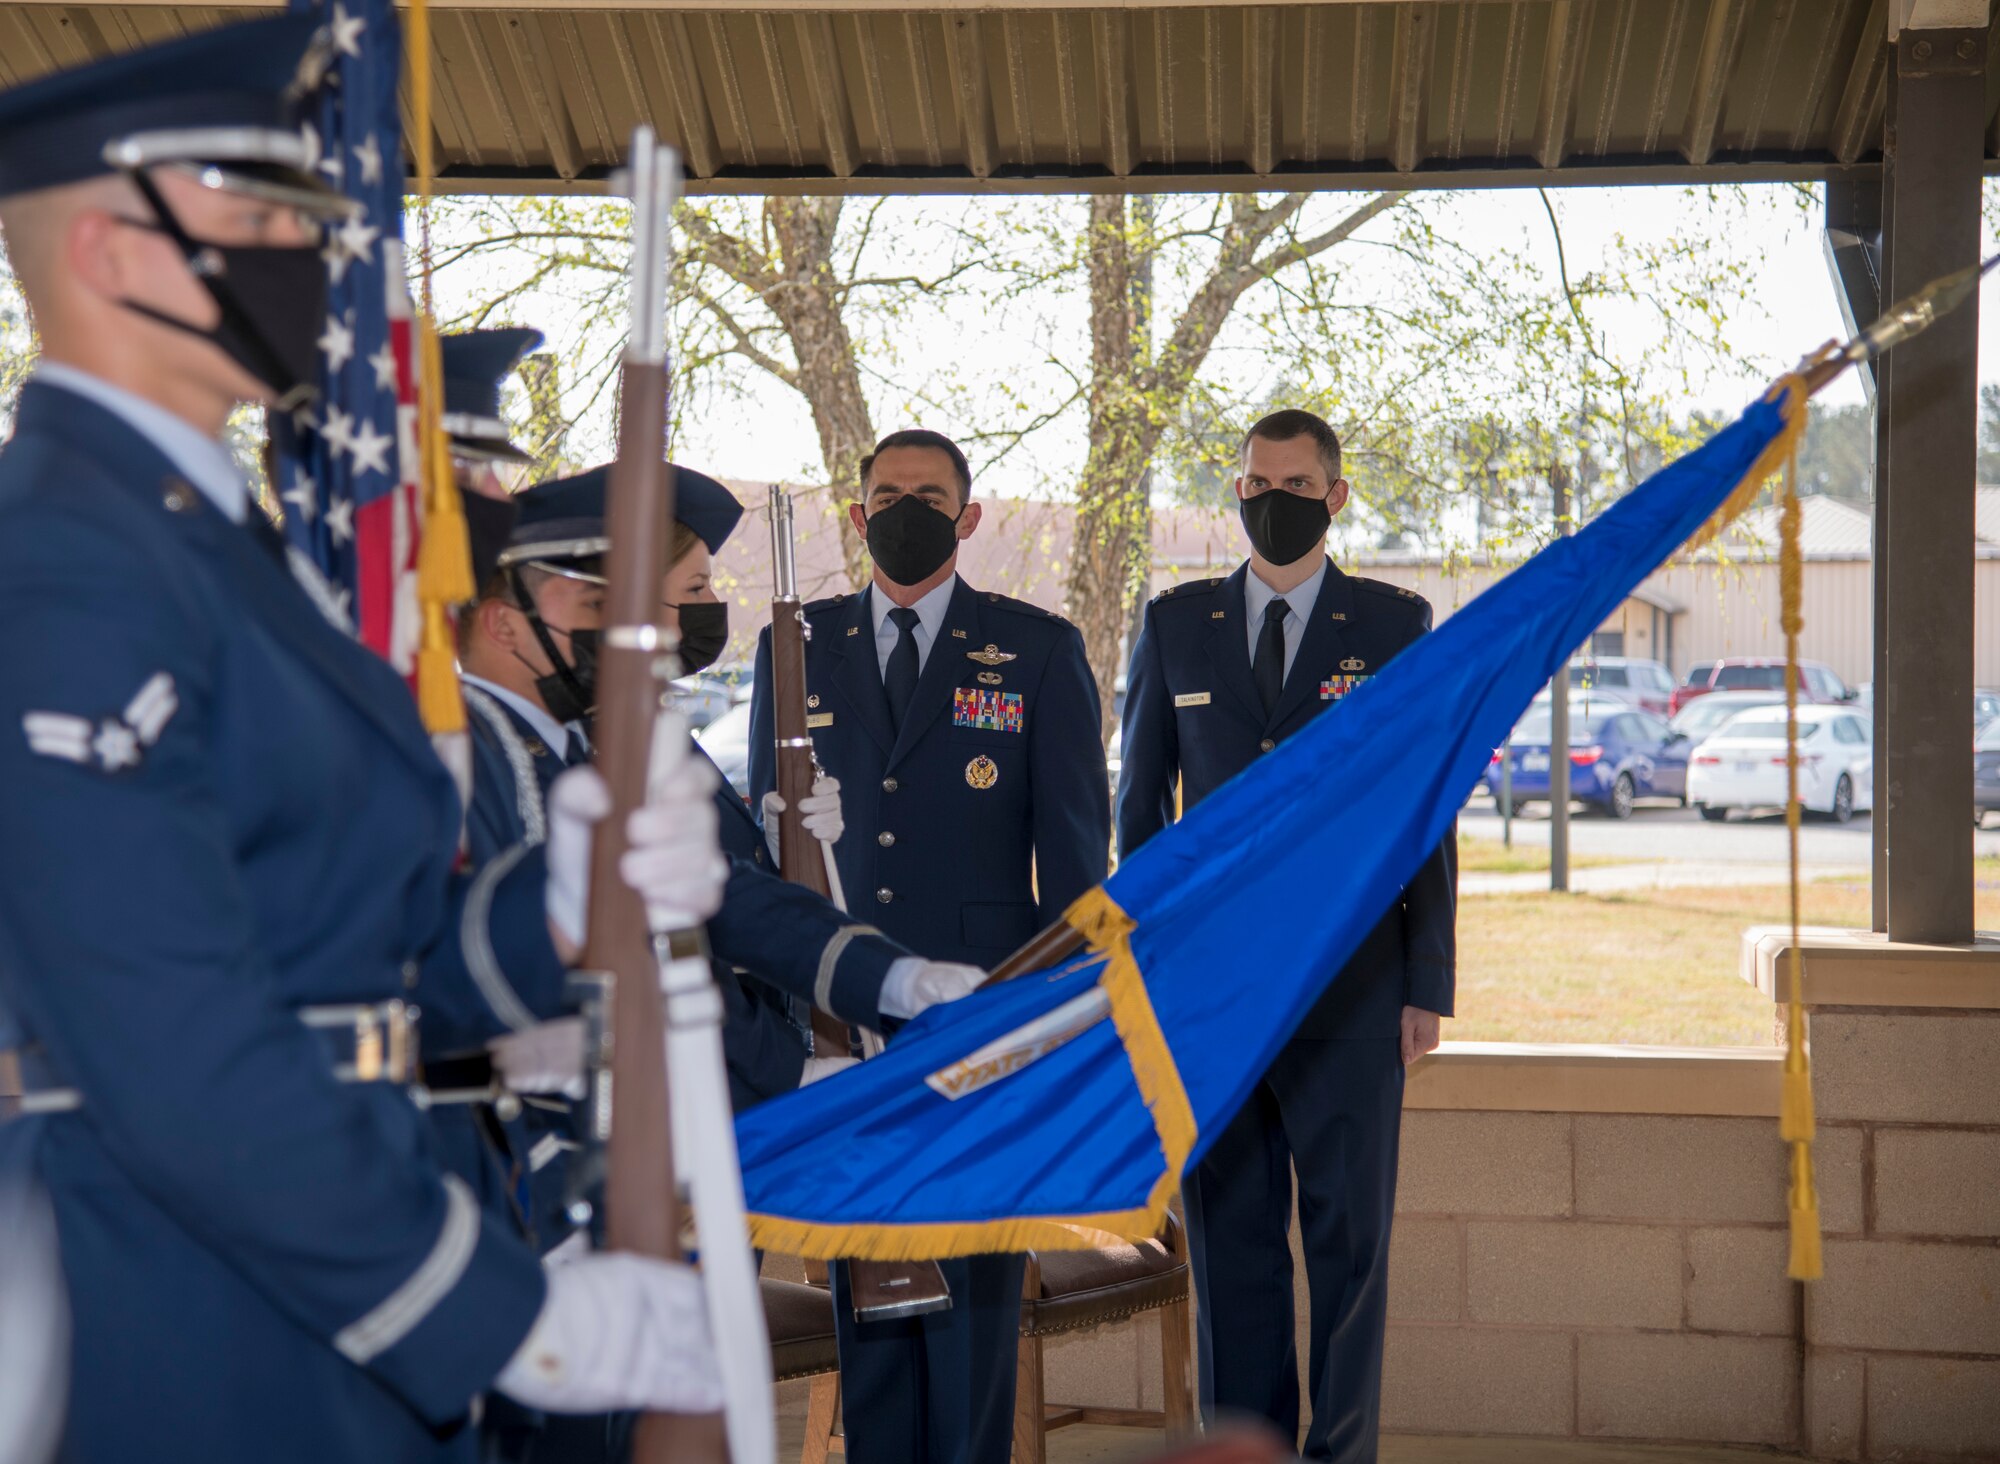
x,y
1795,1109
444,552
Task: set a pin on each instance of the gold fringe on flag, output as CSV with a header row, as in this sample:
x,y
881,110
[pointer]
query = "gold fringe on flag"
x,y
444,555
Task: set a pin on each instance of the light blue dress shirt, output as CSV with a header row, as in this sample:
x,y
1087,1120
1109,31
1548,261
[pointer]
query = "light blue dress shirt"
x,y
1299,601
930,620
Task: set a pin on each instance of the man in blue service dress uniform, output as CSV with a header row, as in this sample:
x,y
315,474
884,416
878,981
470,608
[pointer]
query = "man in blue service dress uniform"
x,y
1223,671
963,727
228,861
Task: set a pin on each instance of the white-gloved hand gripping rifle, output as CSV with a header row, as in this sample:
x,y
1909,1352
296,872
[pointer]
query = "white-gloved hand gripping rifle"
x,y
670,1130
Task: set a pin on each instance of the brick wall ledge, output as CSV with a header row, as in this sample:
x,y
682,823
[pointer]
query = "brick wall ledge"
x,y
1523,1077
1859,968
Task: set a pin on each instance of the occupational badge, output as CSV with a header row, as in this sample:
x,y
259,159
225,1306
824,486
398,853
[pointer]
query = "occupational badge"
x,y
812,702
981,772
990,678
991,656
986,711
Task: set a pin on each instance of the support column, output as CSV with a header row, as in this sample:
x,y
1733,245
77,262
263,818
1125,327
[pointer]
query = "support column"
x,y
1927,404
1854,258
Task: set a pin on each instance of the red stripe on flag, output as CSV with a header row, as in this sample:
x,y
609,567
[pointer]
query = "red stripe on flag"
x,y
374,573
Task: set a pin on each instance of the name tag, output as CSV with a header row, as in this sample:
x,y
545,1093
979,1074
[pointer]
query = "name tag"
x,y
1192,699
818,719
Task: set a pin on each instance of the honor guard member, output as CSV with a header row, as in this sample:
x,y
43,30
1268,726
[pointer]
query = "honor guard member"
x,y
529,658
963,727
1223,671
229,854
477,364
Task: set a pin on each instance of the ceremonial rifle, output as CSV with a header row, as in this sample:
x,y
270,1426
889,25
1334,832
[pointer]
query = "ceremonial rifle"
x,y
639,739
878,1289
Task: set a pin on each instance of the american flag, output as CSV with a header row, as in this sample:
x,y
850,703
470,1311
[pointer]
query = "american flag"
x,y
347,464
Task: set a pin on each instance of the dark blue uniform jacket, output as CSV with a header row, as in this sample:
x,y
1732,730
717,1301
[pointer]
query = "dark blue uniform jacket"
x,y
1193,718
219,809
988,813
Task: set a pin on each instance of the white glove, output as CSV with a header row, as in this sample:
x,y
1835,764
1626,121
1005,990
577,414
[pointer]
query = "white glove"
x,y
618,1331
546,1058
824,1067
914,984
822,814
674,860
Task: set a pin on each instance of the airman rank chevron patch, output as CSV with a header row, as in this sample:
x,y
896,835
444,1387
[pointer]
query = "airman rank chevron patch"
x,y
987,711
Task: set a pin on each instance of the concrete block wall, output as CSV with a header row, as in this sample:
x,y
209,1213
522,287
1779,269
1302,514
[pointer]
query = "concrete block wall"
x,y
1593,1276
1902,1336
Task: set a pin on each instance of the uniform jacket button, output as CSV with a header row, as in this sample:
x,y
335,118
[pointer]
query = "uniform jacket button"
x,y
889,785
885,838
1266,745
885,894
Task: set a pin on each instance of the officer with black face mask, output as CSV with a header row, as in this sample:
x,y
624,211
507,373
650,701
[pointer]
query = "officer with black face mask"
x,y
1223,671
476,366
963,726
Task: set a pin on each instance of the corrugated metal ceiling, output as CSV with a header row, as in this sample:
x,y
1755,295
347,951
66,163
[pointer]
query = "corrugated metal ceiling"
x,y
870,97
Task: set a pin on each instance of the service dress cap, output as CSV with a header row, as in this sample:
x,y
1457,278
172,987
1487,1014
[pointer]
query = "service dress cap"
x,y
476,364
222,106
563,519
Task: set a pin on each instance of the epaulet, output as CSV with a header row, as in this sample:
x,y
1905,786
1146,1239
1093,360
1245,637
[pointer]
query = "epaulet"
x,y
1389,591
1019,607
1185,589
813,607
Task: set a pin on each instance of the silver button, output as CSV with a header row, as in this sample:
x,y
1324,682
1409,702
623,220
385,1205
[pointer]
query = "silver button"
x,y
885,838
885,894
178,498
889,785
1266,745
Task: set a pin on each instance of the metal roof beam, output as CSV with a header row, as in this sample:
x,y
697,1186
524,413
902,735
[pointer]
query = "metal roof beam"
x,y
829,84
1410,83
965,46
1720,41
1261,30
1562,58
1863,98
1117,97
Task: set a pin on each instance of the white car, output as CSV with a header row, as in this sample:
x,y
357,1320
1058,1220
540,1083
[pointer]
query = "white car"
x,y
1743,764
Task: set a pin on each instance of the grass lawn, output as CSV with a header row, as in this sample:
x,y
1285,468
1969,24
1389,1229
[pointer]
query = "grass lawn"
x,y
1652,966
1490,856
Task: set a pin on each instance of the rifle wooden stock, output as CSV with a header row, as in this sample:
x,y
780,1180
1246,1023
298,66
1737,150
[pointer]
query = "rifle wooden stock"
x,y
643,1212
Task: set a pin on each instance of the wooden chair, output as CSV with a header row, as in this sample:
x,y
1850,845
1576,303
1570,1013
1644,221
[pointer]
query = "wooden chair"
x,y
800,1321
1072,1291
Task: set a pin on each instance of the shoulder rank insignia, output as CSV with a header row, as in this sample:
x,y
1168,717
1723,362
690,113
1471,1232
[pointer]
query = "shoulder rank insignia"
x,y
987,711
991,656
981,772
1408,594
1336,687
113,744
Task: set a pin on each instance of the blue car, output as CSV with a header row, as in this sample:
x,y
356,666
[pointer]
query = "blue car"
x,y
1617,755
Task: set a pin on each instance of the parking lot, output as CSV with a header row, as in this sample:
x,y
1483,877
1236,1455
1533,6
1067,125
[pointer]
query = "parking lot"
x,y
1662,833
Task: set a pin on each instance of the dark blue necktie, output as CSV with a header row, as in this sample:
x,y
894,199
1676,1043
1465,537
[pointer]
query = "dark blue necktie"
x,y
1268,669
899,678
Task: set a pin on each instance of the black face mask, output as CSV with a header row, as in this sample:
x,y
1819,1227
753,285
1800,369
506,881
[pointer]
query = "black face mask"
x,y
910,541
570,690
1283,527
272,303
488,523
704,632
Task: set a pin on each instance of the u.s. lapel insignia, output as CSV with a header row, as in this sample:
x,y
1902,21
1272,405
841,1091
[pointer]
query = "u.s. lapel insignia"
x,y
991,656
990,678
957,634
854,630
113,744
535,747
981,773
987,711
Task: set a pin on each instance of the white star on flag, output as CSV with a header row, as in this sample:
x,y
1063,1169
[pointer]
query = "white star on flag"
x,y
337,434
384,362
334,168
357,239
340,520
369,156
337,342
336,261
371,449
347,31
302,495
